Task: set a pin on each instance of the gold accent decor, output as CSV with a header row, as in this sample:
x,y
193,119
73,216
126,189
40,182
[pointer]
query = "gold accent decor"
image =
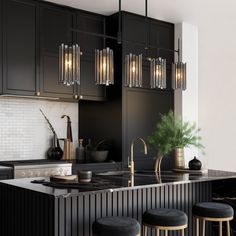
x,y
158,163
220,220
179,162
165,228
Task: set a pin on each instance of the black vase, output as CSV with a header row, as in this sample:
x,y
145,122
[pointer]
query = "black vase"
x,y
195,164
55,152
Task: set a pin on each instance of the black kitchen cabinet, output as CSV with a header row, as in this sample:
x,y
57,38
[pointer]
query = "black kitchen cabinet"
x,y
134,28
55,24
20,50
6,173
1,12
143,109
93,23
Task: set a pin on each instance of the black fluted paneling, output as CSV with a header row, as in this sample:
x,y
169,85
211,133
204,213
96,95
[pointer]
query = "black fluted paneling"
x,y
29,213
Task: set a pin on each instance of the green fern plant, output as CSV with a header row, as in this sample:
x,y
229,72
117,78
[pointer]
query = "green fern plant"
x,y
171,133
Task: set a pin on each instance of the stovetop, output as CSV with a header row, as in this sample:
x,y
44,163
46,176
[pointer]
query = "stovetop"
x,y
30,162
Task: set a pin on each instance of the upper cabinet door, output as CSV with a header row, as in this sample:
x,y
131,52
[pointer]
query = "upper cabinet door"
x,y
134,28
19,47
55,24
96,24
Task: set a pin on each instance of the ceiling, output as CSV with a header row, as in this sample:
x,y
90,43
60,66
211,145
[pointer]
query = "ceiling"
x,y
175,11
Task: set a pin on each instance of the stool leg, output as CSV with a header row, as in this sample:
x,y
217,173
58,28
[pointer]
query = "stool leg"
x,y
228,228
145,230
203,227
220,228
166,232
157,232
182,232
197,226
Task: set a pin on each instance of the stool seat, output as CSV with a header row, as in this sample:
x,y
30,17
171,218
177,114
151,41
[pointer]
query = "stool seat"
x,y
116,226
213,210
165,217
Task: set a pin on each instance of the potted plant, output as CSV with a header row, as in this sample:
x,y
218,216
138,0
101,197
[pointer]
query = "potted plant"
x,y
173,134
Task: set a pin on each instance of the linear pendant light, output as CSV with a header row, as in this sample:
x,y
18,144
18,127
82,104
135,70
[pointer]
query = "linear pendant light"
x,y
69,64
133,70
104,66
179,73
158,73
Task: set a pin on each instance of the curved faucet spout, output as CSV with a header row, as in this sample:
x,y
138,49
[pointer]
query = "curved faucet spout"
x,y
131,162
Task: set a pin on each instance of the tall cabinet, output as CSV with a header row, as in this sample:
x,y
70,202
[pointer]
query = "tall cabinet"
x,y
141,107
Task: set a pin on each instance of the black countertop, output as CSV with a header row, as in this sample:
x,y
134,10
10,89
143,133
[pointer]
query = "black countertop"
x,y
118,182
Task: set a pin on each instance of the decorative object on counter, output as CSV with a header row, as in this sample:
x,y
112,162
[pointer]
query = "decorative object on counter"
x,y
54,152
133,70
104,66
69,152
173,134
80,151
158,73
69,64
100,152
84,176
63,178
179,72
88,150
195,164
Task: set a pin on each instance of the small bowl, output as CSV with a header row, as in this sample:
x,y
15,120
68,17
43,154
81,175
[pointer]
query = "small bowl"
x,y
99,156
84,176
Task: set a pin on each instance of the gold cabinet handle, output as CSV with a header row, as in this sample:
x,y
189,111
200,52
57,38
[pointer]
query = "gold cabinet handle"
x,y
37,93
75,96
81,97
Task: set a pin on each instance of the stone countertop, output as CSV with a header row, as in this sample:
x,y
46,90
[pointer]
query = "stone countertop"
x,y
5,168
105,183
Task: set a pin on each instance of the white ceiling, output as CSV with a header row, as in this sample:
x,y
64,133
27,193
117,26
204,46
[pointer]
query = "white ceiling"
x,y
175,11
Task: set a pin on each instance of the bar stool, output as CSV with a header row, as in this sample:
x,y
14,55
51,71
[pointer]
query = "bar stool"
x,y
215,212
116,226
165,219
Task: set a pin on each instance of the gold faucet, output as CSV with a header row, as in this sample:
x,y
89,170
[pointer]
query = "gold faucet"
x,y
131,162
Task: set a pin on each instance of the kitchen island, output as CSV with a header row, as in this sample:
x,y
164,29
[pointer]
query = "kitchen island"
x,y
50,209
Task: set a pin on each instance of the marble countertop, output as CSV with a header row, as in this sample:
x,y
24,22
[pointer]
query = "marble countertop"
x,y
121,181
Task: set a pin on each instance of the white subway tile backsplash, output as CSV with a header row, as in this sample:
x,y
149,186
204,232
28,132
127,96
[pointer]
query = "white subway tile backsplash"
x,y
24,133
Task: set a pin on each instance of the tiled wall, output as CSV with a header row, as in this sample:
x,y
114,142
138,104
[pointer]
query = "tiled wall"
x,y
24,133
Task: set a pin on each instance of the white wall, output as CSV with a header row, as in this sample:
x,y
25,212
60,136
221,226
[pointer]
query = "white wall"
x,y
188,35
24,133
217,87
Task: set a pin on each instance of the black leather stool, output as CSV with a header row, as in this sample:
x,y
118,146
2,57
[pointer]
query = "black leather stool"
x,y
212,211
165,219
116,226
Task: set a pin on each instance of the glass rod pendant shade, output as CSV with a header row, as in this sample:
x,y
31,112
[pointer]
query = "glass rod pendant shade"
x,y
179,75
158,73
69,64
104,66
133,70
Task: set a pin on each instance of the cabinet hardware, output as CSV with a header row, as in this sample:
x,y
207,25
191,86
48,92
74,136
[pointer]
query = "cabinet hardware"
x,y
37,93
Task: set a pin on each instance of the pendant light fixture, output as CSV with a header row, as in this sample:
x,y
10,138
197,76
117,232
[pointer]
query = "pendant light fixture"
x,y
104,66
179,73
69,64
158,73
133,70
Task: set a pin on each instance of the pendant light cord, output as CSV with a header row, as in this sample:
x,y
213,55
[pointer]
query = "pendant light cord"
x,y
119,35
